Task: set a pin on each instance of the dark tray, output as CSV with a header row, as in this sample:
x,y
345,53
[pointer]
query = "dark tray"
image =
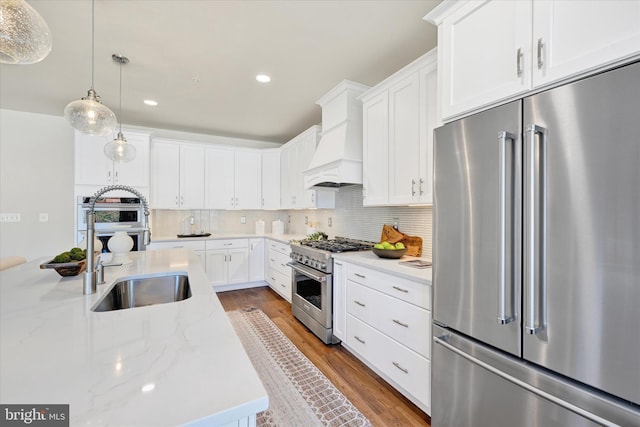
x,y
195,235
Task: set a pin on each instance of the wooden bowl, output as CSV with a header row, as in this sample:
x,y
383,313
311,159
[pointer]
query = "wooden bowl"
x,y
390,253
66,269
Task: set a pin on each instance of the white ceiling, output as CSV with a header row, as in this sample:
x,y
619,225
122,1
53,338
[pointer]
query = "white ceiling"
x,y
199,59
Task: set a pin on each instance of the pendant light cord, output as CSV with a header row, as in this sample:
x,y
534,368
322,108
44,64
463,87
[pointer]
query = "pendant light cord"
x,y
92,41
120,107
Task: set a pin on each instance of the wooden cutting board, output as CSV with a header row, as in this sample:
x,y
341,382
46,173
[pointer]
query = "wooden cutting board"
x,y
412,243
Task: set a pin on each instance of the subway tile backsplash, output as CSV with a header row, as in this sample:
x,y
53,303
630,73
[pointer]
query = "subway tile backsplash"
x,y
348,219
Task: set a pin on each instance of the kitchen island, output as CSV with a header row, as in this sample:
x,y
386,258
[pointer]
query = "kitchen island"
x,y
166,364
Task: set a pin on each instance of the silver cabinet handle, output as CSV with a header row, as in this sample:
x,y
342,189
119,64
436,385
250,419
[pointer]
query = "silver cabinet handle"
x,y
359,303
400,289
227,244
413,187
509,199
115,175
397,365
181,200
360,275
519,57
534,228
420,186
109,176
400,323
177,201
540,52
360,340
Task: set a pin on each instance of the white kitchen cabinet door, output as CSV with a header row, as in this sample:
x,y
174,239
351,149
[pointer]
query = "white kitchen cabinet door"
x,y
237,266
217,266
219,178
571,37
92,167
248,177
287,169
404,140
165,171
484,54
375,150
256,260
428,122
191,177
307,149
271,179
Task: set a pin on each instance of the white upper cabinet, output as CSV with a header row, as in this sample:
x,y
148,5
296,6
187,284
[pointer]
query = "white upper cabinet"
x,y
270,179
398,121
178,175
93,168
492,51
232,179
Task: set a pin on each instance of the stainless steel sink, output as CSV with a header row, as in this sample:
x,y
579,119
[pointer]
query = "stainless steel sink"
x,y
143,291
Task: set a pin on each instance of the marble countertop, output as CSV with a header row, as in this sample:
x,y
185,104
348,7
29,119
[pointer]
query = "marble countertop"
x,y
391,266
284,238
166,364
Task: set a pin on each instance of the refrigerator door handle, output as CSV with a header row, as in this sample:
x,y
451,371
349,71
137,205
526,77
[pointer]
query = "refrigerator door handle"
x,y
443,341
534,225
508,240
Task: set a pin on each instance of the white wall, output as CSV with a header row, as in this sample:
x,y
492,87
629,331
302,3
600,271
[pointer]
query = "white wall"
x,y
36,176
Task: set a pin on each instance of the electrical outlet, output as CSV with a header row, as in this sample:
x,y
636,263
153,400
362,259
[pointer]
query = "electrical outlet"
x,y
243,220
10,217
330,221
44,217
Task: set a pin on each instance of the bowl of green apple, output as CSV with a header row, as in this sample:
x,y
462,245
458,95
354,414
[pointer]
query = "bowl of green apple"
x,y
389,250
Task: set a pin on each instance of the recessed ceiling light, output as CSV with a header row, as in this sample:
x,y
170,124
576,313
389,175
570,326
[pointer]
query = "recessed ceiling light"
x,y
150,102
263,78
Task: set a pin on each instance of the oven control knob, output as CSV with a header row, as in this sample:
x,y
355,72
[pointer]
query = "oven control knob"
x,y
323,265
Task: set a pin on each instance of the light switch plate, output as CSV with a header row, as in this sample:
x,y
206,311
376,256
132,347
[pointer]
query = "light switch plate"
x,y
9,217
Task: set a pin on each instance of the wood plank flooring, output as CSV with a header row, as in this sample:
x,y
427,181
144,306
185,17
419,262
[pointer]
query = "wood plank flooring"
x,y
373,396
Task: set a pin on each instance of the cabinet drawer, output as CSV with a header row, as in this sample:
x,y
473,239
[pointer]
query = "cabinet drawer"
x,y
408,369
196,245
283,248
279,283
227,244
398,287
406,323
278,262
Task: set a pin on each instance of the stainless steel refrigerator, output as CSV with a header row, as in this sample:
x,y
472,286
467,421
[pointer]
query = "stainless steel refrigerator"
x,y
536,248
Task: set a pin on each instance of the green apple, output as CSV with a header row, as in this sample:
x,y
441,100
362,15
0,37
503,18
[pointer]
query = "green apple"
x,y
387,245
399,245
378,246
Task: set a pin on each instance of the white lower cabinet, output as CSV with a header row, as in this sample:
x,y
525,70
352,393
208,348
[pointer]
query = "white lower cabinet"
x,y
198,246
256,259
385,321
277,273
227,261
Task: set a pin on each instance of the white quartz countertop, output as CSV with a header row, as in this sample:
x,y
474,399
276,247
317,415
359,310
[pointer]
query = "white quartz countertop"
x,y
391,266
166,364
284,238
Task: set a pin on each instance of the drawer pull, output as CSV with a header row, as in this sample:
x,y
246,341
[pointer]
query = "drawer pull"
x,y
360,276
360,304
273,260
282,285
397,365
273,278
400,323
401,290
227,244
357,338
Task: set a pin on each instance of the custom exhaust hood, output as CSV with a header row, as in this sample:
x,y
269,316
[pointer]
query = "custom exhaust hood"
x,y
337,160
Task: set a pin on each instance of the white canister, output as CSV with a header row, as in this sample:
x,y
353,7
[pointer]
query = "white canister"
x,y
277,227
259,226
120,244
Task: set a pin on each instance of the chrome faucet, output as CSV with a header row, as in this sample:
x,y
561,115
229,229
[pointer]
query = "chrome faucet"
x,y
90,275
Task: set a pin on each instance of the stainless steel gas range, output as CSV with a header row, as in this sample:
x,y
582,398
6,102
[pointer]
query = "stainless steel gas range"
x,y
312,282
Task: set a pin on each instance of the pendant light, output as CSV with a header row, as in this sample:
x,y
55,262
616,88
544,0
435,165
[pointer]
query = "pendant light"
x,y
25,36
119,149
89,115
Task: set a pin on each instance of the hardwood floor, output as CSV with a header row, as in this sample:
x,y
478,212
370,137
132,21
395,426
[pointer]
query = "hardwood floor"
x,y
373,396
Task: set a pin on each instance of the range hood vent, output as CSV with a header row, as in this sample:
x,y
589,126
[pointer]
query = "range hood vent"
x,y
337,161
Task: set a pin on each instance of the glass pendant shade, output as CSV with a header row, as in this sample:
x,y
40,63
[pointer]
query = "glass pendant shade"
x,y
89,115
25,37
120,150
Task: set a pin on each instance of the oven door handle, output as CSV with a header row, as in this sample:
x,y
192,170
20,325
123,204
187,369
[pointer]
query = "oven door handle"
x,y
308,272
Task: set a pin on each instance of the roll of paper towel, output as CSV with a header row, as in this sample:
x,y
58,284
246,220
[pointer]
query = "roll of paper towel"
x,y
259,226
277,227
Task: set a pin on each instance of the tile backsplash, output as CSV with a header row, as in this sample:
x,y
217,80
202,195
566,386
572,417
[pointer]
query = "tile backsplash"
x,y
348,219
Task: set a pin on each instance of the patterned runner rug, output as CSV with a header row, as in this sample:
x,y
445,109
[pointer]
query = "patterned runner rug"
x,y
299,394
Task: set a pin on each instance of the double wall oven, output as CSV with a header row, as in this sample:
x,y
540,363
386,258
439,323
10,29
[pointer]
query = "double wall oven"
x,y
113,214
312,282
